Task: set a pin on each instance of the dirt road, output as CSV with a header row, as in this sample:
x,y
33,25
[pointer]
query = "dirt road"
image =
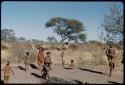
x,y
59,74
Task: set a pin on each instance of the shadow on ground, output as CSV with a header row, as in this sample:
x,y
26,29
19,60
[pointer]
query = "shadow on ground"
x,y
55,80
36,75
93,71
113,82
79,82
60,64
33,66
66,67
21,68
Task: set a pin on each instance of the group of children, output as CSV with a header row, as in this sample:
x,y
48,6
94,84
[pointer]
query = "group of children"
x,y
45,71
47,65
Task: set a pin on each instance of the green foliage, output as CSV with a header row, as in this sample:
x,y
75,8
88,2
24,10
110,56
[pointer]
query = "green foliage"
x,y
82,37
35,40
112,27
51,39
21,38
8,35
68,29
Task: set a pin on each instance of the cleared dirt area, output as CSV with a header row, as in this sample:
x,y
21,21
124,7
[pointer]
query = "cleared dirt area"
x,y
59,74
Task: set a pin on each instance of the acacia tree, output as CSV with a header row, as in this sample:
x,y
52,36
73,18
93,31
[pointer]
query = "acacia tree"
x,y
111,29
8,35
67,29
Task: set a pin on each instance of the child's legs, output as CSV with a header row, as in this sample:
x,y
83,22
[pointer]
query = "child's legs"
x,y
113,63
46,70
26,66
111,66
48,74
110,71
40,64
6,79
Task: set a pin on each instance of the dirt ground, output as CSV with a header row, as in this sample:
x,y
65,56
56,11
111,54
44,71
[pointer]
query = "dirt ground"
x,y
60,74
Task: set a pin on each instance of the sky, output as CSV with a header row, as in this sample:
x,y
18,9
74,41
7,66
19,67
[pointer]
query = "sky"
x,y
28,18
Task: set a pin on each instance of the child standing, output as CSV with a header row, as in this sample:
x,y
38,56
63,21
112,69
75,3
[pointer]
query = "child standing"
x,y
47,63
7,69
72,64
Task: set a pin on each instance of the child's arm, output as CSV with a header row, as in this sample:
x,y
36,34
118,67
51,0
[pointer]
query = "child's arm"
x,y
12,70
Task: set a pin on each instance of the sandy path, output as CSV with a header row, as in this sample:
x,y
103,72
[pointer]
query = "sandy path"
x,y
89,75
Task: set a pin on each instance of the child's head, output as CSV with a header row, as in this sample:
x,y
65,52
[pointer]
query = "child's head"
x,y
41,49
72,61
8,63
48,53
27,53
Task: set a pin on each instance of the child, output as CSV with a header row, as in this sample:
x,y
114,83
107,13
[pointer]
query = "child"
x,y
47,63
72,64
7,69
110,52
41,58
26,61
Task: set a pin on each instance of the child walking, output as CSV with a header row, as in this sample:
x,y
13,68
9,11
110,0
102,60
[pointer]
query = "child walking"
x,y
7,70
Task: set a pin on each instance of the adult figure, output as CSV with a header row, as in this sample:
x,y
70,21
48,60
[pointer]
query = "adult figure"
x,y
110,52
40,60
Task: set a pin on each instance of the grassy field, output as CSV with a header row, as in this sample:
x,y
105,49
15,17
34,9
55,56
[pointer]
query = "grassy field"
x,y
92,54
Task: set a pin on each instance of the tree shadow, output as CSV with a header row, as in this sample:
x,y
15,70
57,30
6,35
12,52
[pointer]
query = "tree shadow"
x,y
33,66
67,68
21,68
98,72
79,82
55,80
36,75
60,64
113,82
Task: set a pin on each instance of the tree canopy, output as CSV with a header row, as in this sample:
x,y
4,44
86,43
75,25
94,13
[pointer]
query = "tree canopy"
x,y
8,35
68,29
111,29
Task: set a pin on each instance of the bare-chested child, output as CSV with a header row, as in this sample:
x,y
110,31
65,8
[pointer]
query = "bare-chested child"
x,y
26,61
110,52
71,66
6,70
47,67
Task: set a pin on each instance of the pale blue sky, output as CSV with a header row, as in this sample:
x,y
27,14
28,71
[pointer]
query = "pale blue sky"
x,y
28,19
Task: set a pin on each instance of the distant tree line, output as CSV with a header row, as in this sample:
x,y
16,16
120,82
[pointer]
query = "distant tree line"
x,y
8,35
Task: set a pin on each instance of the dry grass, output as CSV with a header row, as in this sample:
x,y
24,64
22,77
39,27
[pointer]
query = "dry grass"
x,y
86,54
